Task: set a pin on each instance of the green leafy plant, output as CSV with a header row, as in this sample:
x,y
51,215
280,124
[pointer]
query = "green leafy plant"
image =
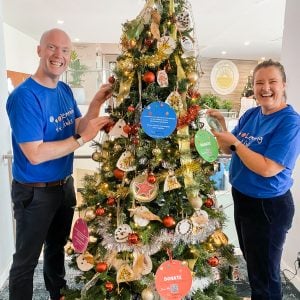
x,y
226,104
210,100
76,70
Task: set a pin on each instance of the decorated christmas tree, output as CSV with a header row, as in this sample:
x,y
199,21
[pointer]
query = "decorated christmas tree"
x,y
150,225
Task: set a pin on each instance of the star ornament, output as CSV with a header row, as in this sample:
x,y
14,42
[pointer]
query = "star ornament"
x,y
143,190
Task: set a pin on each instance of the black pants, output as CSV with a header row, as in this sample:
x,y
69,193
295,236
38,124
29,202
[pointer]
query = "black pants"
x,y
43,216
262,225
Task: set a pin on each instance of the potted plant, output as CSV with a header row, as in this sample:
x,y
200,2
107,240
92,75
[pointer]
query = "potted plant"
x,y
77,71
210,101
226,104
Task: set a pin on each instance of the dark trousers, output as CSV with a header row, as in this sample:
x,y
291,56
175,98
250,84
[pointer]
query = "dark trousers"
x,y
262,225
43,216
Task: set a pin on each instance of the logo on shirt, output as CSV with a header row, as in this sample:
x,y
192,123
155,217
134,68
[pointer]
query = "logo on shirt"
x,y
247,139
63,120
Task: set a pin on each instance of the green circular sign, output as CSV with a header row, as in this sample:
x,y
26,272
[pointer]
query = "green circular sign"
x,y
206,145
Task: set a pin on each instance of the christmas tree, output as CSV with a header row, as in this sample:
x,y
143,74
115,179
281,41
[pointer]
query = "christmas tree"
x,y
151,209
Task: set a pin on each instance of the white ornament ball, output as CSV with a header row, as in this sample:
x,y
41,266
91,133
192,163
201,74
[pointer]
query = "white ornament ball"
x,y
219,298
147,294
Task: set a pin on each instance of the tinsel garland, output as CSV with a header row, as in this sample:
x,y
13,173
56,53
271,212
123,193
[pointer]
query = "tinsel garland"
x,y
157,242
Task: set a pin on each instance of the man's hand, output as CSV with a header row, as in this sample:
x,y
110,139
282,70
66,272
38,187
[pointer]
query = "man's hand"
x,y
93,127
103,93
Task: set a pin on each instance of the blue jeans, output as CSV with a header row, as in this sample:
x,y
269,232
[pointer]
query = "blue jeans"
x,y
43,216
262,225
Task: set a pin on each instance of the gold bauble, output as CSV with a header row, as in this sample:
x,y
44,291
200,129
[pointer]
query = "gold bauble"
x,y
106,167
89,214
117,147
131,43
209,247
215,241
218,238
147,294
192,77
92,239
70,250
103,187
104,154
156,152
96,156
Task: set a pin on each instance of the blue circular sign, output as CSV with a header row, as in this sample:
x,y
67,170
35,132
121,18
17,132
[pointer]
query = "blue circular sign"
x,y
158,120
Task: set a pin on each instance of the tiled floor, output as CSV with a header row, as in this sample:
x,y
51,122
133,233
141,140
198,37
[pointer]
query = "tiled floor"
x,y
290,293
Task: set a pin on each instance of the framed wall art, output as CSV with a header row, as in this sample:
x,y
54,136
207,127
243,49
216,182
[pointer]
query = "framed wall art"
x,y
224,77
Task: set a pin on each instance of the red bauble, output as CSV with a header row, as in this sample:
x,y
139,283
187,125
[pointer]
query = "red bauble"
x,y
111,79
133,238
151,178
136,141
209,202
100,211
168,221
149,77
127,128
213,261
131,108
148,42
109,286
135,128
101,267
110,201
119,174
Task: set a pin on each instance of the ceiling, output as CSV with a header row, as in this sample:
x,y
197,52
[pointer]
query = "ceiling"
x,y
220,25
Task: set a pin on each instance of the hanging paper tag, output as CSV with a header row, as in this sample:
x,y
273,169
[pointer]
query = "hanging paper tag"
x,y
80,236
142,190
126,162
173,280
117,131
158,120
85,262
162,78
206,145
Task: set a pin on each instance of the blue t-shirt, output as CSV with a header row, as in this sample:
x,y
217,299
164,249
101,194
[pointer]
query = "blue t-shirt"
x,y
40,113
275,136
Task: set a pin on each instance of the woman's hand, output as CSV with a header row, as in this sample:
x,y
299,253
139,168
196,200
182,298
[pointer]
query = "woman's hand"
x,y
225,139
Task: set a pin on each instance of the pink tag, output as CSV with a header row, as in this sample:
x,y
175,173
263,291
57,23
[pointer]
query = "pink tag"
x,y
80,236
173,280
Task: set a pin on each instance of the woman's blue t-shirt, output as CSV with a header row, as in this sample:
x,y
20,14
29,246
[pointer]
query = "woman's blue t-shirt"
x,y
40,113
275,136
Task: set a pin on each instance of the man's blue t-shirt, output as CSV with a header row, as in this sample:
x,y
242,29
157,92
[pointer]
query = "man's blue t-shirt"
x,y
40,113
275,136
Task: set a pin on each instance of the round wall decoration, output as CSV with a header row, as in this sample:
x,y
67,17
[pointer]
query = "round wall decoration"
x,y
224,77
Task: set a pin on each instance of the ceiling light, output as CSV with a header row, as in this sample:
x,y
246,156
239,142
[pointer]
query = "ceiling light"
x,y
223,52
76,39
60,21
247,43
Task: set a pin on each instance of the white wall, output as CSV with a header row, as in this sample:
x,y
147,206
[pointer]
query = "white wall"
x,y
291,61
20,51
6,228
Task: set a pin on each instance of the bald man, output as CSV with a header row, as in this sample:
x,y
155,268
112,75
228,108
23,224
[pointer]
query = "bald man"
x,y
47,127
